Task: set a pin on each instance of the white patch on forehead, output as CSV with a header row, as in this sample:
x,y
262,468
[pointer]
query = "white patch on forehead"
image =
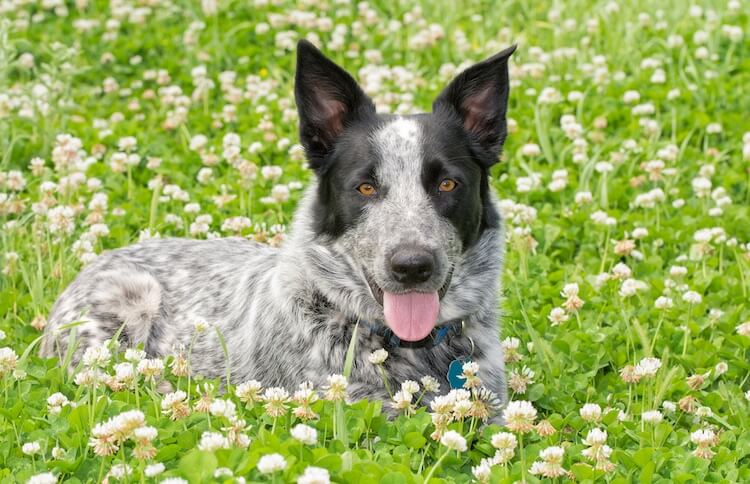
x,y
399,145
405,208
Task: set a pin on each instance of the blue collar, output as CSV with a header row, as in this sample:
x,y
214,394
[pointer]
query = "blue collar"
x,y
436,337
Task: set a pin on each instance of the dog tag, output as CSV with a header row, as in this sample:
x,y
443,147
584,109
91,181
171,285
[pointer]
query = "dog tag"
x,y
455,370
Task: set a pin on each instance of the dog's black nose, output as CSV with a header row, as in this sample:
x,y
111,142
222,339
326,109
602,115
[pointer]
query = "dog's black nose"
x,y
412,265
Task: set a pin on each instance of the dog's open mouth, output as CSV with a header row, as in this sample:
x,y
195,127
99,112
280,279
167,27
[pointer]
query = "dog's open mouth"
x,y
410,315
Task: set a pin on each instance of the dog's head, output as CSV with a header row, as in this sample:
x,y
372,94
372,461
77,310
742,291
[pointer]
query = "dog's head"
x,y
402,197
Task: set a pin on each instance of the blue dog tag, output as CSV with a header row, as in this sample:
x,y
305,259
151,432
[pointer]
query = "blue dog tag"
x,y
455,370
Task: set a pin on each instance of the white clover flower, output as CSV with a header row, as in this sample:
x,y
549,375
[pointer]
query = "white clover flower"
x,y
61,219
621,271
124,372
504,441
43,478
591,412
596,436
88,377
603,167
223,472
98,355
648,367
402,400
549,95
134,355
378,357
483,471
410,386
454,441
120,471
582,198
430,384
223,408
552,454
600,217
271,463
701,187
275,399
652,416
550,466
631,97
198,142
692,297
570,290
8,361
248,391
630,287
663,302
557,316
175,405
57,399
336,388
31,448
211,441
145,434
703,437
531,149
151,368
305,434
127,143
668,406
704,412
519,416
678,271
314,475
271,172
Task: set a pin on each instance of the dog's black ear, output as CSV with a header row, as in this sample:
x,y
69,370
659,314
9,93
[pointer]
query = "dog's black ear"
x,y
328,99
479,97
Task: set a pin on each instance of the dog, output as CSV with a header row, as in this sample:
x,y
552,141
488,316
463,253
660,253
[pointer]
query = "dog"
x,y
398,237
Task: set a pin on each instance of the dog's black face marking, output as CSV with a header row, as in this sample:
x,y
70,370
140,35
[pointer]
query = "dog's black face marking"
x,y
459,140
448,155
353,162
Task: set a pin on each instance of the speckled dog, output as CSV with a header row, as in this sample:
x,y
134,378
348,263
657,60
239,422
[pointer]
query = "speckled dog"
x,y
399,232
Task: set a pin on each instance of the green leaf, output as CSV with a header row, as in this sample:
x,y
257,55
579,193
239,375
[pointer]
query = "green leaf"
x,y
332,462
198,466
414,440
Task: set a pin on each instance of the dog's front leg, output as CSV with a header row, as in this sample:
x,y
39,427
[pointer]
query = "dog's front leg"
x,y
492,372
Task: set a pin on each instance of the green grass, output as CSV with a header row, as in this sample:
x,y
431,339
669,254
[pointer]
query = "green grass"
x,y
132,72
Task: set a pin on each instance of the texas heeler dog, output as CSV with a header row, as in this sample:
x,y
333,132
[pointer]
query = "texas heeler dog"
x,y
399,232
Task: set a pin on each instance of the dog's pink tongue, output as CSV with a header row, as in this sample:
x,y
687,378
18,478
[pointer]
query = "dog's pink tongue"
x,y
412,315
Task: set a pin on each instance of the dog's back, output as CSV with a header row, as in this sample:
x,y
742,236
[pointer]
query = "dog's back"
x,y
157,291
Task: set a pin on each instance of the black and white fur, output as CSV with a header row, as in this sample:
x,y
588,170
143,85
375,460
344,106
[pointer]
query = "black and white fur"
x,y
287,314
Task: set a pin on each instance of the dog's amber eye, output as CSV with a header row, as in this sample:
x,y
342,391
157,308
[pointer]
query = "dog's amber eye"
x,y
447,185
367,189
